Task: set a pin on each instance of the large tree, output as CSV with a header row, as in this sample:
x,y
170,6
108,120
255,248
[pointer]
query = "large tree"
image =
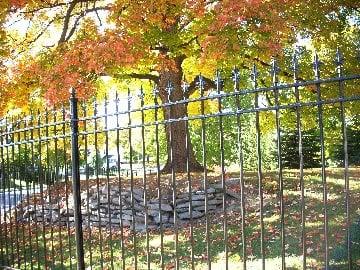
x,y
71,43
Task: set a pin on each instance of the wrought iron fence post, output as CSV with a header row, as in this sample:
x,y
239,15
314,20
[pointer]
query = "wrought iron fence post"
x,y
76,181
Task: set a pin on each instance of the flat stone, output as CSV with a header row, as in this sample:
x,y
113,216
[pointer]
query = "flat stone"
x,y
198,197
138,198
115,221
182,200
217,187
94,218
124,193
102,223
114,207
186,205
219,196
85,212
125,223
195,214
27,214
164,207
233,194
126,212
54,206
202,208
54,217
115,200
67,212
139,219
137,191
183,195
140,227
153,212
107,190
126,217
84,195
164,218
93,206
215,201
103,200
139,207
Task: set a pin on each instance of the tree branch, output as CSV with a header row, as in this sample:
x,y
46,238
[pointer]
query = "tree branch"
x,y
195,38
43,8
209,84
80,16
150,77
67,20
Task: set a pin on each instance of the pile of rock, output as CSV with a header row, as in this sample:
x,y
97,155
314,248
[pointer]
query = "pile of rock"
x,y
109,206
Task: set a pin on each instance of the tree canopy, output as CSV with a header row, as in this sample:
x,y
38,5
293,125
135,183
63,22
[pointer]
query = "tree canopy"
x,y
49,46
58,44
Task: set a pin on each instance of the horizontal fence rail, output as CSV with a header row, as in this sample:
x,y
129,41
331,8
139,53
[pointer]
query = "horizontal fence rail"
x,y
235,175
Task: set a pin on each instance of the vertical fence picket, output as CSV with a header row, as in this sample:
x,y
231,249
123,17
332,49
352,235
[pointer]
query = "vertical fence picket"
x,y
145,186
317,64
295,68
20,204
76,181
259,164
4,234
158,178
49,184
8,174
236,80
275,80
129,99
122,242
66,178
339,61
201,85
170,89
108,180
185,87
56,179
28,230
219,86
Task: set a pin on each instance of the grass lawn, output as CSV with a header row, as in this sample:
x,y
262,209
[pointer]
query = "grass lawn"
x,y
54,247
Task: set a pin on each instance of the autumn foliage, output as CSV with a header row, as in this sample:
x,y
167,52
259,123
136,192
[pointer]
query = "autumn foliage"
x,y
147,37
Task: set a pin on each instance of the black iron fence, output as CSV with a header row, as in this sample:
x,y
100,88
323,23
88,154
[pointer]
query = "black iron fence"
x,y
208,179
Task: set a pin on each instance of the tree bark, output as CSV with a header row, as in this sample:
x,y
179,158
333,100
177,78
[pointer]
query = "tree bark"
x,y
179,151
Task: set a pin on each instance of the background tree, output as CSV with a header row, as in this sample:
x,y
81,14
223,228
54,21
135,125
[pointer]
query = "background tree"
x,y
160,41
310,148
353,139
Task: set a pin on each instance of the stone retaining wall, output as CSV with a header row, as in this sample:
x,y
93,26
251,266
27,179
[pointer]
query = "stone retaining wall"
x,y
110,207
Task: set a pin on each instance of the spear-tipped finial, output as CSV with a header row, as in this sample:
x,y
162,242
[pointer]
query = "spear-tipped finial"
x,y
141,94
274,70
129,97
235,76
201,83
317,65
295,63
72,92
169,89
155,91
339,58
254,75
218,80
185,86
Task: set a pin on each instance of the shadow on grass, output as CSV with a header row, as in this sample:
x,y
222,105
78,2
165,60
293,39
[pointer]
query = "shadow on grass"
x,y
58,249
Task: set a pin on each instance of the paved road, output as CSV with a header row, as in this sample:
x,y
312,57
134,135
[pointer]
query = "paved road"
x,y
9,199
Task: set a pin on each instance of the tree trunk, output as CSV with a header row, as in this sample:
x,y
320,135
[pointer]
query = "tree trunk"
x,y
179,151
